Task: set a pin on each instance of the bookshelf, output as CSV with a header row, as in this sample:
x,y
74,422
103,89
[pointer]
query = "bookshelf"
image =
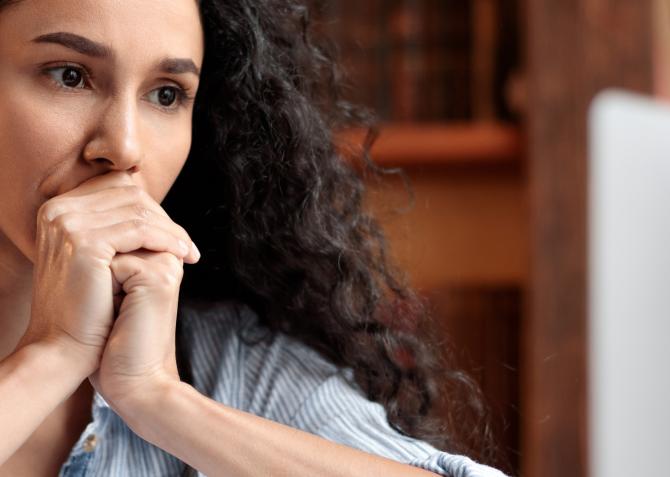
x,y
501,251
445,80
409,145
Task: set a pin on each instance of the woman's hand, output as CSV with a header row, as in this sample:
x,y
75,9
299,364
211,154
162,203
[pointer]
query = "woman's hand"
x,y
140,354
79,234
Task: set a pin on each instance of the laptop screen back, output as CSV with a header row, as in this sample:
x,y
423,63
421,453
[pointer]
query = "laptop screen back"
x,y
629,286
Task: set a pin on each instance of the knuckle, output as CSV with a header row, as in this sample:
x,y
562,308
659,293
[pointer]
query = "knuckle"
x,y
148,201
79,241
49,211
138,223
141,211
168,277
173,265
169,260
64,221
183,231
133,190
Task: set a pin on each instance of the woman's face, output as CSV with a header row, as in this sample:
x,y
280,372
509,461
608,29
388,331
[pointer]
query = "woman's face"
x,y
90,86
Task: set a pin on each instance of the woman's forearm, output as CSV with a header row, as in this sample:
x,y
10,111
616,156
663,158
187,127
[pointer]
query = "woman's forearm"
x,y
34,380
222,441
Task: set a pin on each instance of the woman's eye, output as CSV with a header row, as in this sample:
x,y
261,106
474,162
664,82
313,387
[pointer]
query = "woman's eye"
x,y
166,96
169,98
67,76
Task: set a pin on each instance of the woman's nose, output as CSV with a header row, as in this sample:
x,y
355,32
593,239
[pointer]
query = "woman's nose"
x,y
117,140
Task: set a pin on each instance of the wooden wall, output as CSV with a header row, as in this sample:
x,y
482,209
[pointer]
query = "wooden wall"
x,y
574,48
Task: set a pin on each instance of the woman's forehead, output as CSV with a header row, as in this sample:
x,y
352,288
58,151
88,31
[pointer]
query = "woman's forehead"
x,y
171,25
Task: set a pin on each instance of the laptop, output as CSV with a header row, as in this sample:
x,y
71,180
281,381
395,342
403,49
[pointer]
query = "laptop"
x,y
629,286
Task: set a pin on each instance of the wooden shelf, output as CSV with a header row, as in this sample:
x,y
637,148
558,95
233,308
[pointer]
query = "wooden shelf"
x,y
413,144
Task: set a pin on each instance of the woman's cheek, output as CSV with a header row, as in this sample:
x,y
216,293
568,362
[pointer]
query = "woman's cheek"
x,y
41,142
165,161
43,133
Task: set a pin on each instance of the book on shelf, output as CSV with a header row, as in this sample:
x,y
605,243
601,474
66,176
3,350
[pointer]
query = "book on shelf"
x,y
424,60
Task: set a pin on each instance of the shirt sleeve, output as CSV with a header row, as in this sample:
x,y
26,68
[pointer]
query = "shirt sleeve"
x,y
290,383
339,412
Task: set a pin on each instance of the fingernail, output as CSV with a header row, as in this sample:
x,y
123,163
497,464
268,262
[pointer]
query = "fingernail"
x,y
195,251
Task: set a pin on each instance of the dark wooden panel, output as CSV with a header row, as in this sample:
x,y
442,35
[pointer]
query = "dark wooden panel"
x,y
574,49
482,325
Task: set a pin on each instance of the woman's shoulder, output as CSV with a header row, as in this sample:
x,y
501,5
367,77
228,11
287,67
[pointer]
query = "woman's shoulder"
x,y
215,326
222,314
235,359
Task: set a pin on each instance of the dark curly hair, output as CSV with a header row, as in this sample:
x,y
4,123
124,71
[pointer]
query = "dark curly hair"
x,y
277,211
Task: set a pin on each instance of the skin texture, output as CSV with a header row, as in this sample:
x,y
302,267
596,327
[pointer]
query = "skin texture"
x,y
53,139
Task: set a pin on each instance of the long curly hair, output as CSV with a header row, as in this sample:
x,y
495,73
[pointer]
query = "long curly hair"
x,y
277,211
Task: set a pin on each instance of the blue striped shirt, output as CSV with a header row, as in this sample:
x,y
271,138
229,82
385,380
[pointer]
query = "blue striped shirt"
x,y
280,379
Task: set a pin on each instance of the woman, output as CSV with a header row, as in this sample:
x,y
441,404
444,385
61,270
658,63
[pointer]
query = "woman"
x,y
295,351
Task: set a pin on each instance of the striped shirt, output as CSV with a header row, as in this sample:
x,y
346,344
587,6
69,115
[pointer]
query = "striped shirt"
x,y
279,378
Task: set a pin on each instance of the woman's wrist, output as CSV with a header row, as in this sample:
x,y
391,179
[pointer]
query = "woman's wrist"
x,y
34,380
57,357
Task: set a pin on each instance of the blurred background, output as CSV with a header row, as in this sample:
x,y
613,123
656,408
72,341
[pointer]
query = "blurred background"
x,y
482,103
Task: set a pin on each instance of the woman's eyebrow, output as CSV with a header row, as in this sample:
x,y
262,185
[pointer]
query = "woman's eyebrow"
x,y
89,47
77,43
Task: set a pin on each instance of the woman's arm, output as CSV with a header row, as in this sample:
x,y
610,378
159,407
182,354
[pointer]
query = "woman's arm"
x,y
72,304
219,440
34,380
